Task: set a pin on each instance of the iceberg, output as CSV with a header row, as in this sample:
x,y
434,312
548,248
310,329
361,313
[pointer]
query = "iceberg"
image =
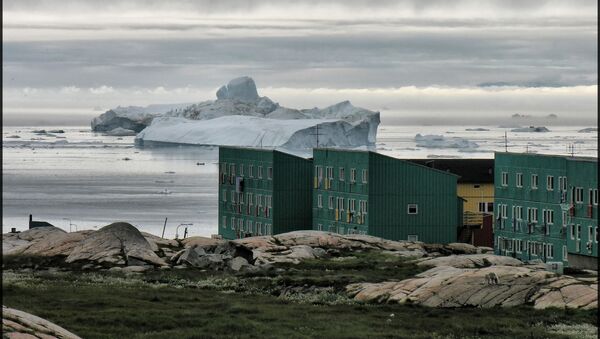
x,y
588,130
439,141
531,129
240,117
134,118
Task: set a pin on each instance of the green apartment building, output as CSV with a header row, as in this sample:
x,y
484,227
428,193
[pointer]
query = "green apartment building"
x,y
263,192
547,208
361,192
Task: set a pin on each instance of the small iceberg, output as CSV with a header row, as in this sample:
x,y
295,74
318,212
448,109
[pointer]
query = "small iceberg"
x,y
439,141
540,129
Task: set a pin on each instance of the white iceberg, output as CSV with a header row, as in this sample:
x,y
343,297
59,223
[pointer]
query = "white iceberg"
x,y
239,117
439,141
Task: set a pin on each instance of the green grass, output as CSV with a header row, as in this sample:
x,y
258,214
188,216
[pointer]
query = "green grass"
x,y
194,304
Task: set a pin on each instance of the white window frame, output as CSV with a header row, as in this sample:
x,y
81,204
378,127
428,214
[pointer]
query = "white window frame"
x,y
565,253
224,222
412,237
579,195
595,201
365,176
224,195
269,173
232,169
319,227
415,206
331,202
342,173
590,234
260,173
352,205
353,175
550,182
504,179
319,201
534,181
519,180
233,223
251,171
363,206
241,170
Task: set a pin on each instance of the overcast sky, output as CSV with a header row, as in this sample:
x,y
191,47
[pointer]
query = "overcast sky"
x,y
405,58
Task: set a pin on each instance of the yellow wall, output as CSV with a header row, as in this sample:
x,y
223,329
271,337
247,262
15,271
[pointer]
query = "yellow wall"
x,y
473,195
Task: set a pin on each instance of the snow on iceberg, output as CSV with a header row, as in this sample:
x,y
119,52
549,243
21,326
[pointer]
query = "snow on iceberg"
x,y
240,117
439,141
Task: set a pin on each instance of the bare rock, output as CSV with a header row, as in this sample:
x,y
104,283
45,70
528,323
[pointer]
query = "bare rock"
x,y
201,241
117,243
15,243
19,324
492,286
238,263
158,243
470,261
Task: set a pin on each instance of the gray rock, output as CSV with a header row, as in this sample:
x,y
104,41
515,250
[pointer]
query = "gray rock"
x,y
118,243
19,324
238,263
135,269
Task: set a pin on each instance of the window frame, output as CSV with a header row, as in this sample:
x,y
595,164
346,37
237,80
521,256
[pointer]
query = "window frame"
x,y
550,183
342,173
519,180
534,183
504,179
412,205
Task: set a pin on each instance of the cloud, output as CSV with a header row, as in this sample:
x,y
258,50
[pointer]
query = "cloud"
x,y
102,90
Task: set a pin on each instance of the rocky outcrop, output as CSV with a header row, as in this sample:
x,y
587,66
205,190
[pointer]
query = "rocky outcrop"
x,y
42,241
116,244
470,261
446,286
19,324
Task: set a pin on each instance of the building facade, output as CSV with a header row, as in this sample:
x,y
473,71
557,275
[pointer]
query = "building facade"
x,y
547,208
263,192
368,193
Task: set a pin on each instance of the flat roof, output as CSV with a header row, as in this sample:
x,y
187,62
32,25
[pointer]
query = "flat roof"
x,y
268,149
567,157
469,170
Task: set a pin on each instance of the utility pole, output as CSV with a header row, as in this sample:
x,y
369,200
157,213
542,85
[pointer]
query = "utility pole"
x,y
165,226
505,142
317,134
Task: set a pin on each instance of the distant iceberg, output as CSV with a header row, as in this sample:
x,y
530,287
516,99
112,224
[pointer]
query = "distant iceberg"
x,y
439,141
133,118
240,117
531,129
588,130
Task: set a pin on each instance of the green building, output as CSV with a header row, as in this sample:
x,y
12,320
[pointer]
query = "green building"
x,y
263,192
369,193
547,208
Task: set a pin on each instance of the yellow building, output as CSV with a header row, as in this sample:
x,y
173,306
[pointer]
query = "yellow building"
x,y
475,185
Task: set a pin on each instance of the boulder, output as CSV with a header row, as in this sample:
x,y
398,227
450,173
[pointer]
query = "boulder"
x,y
158,243
19,324
116,244
15,243
238,263
201,241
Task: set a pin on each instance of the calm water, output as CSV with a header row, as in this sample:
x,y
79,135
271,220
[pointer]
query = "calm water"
x,y
84,180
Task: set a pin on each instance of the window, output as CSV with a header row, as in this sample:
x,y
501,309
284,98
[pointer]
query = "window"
x,y
259,228
224,222
241,197
258,200
353,175
548,216
519,211
269,201
352,205
319,227
269,173
561,183
565,253
232,169
241,224
363,207
319,172
365,176
340,204
590,234
550,183
504,178
596,234
578,233
413,237
341,174
519,179
233,197
269,230
319,201
564,218
241,170
232,223
595,197
549,251
249,226
579,195
251,171
330,202
534,181
486,207
224,195
518,245
224,168
413,209
572,232
260,172
532,215
329,172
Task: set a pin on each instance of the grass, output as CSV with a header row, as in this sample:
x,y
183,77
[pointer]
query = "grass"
x,y
196,304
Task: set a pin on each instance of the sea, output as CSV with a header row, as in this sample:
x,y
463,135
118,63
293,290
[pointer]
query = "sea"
x,y
76,179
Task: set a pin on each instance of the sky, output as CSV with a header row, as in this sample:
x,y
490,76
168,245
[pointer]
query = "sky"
x,y
65,61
